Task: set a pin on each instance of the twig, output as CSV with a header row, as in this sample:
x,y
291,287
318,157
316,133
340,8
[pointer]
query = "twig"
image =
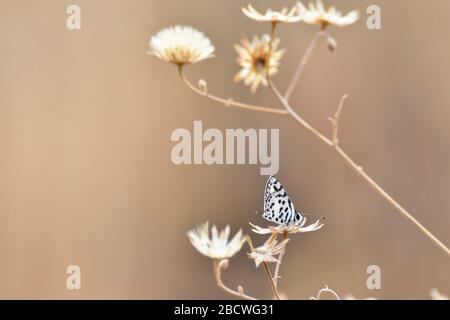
x,y
388,198
272,283
335,120
218,267
325,290
335,140
299,119
227,102
266,265
278,265
303,62
272,37
359,170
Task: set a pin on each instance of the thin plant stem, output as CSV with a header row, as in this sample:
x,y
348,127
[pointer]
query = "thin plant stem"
x,y
218,267
359,170
389,199
303,62
299,119
272,283
326,290
335,120
272,37
278,265
228,102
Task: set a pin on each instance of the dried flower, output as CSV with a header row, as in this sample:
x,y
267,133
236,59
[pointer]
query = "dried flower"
x,y
436,295
257,59
284,16
298,227
181,45
328,291
316,14
267,252
217,246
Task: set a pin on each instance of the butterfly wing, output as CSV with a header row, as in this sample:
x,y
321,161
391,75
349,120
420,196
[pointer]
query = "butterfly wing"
x,y
278,207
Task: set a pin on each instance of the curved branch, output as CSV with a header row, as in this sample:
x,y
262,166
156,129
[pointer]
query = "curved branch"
x,y
218,267
325,290
227,102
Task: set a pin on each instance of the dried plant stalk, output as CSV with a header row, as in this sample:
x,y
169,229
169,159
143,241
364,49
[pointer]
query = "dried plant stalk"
x,y
278,265
218,267
259,60
326,290
302,64
332,143
228,102
358,169
271,280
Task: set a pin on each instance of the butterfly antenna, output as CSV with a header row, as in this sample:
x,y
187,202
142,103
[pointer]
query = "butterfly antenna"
x,y
314,216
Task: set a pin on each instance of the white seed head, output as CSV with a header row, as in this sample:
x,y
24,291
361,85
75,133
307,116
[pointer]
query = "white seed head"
x,y
283,16
181,45
217,245
316,13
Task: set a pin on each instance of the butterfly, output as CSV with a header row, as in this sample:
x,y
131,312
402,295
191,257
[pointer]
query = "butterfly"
x,y
278,207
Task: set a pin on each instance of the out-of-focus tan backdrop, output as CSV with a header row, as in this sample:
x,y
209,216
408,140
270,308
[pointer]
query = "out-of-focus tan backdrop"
x,y
85,170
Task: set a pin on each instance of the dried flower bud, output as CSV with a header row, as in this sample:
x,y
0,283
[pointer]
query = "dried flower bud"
x,y
267,252
332,43
203,86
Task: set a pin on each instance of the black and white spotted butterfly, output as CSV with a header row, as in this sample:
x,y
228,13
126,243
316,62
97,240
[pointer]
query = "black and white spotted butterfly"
x,y
278,207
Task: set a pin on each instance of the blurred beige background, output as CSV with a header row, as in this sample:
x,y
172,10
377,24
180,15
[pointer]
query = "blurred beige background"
x,y
85,170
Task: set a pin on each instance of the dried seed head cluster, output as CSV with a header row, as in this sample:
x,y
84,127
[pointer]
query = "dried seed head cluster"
x,y
257,59
283,16
267,252
317,14
298,227
217,246
181,45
